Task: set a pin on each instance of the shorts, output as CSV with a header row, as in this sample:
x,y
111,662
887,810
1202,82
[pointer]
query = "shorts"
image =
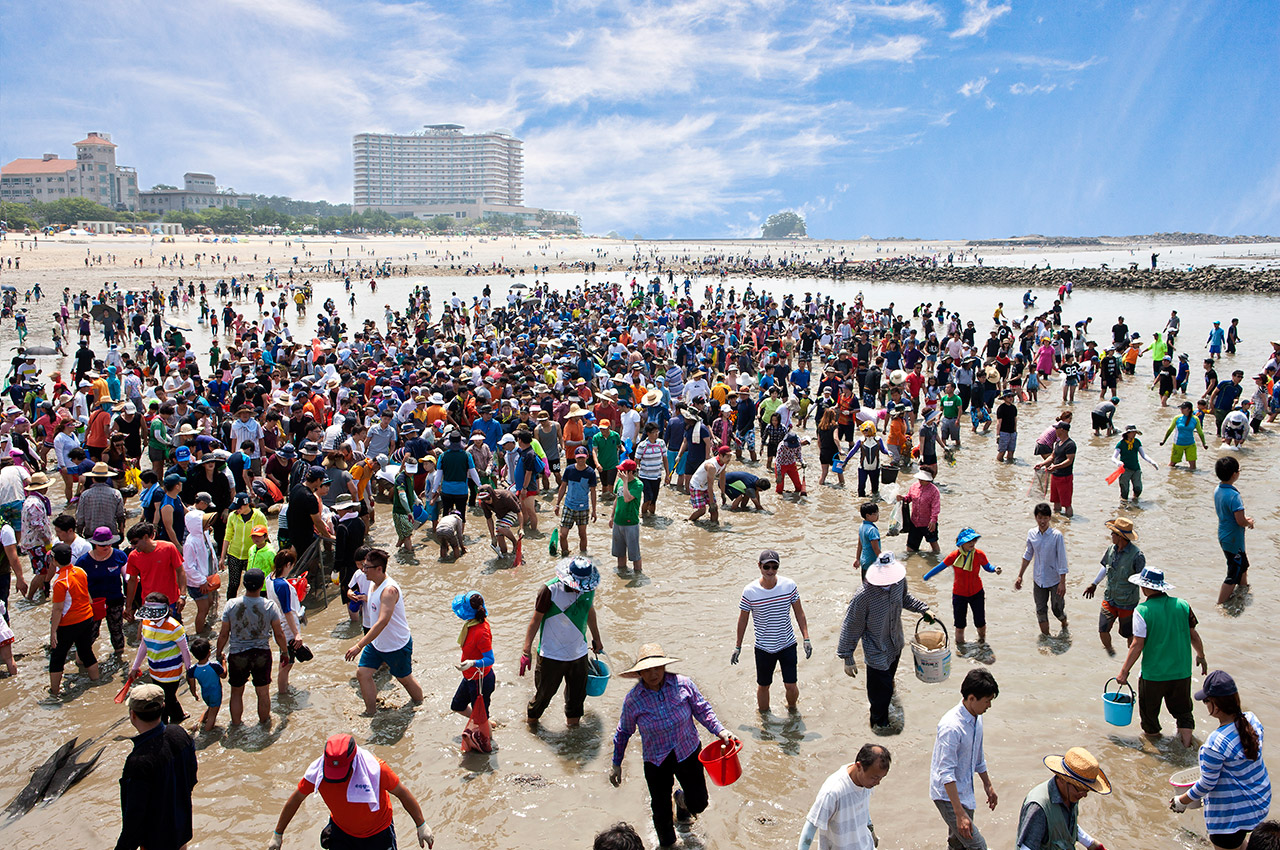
x,y
748,439
469,690
572,516
735,489
1179,452
697,498
1060,488
399,662
1110,614
553,465
528,494
1229,840
677,469
506,520
157,455
251,662
651,486
1006,441
195,594
961,604
626,541
1041,450
766,661
1229,433
1100,422
1237,566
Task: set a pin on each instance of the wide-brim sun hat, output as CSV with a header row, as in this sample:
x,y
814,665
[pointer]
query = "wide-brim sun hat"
x,y
1131,429
649,656
1152,579
886,571
38,481
1080,767
924,476
897,377
578,573
1122,526
965,535
651,398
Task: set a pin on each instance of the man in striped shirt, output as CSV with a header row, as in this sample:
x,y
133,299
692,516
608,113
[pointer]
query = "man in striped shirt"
x,y
769,601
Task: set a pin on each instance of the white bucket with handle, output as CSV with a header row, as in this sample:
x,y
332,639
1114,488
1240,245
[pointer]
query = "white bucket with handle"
x,y
932,659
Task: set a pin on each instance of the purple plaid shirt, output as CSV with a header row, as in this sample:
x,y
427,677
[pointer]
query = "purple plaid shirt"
x,y
665,720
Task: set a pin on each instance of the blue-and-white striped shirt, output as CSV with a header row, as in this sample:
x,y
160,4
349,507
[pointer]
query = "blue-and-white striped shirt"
x,y
1235,790
771,613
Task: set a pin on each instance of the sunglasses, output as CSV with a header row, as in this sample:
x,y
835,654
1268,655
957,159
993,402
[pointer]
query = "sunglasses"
x,y
770,569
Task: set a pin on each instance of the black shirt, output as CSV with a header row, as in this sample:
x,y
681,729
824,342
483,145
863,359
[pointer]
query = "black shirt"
x,y
1060,453
303,505
155,790
1007,416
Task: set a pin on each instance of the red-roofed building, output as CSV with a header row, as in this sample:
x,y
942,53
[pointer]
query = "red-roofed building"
x,y
93,174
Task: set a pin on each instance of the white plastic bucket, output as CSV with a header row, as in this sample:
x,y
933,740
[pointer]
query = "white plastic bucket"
x,y
932,665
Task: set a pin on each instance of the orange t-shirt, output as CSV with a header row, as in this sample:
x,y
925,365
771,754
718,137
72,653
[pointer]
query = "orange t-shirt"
x,y
99,425
71,591
357,819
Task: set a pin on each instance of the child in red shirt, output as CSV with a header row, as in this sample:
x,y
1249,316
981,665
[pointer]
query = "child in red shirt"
x,y
966,590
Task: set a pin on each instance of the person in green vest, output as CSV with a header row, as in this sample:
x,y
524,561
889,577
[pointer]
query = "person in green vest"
x,y
563,612
1164,634
1127,454
1122,560
1049,819
262,556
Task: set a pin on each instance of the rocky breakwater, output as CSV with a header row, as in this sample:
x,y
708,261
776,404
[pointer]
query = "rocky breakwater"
x,y
1207,279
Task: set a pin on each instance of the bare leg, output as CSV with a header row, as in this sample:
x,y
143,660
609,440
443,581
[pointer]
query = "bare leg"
x,y
411,685
364,676
237,705
264,703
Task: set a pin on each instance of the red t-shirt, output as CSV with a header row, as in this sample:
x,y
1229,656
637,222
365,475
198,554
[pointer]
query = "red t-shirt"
x,y
967,571
479,640
157,570
357,819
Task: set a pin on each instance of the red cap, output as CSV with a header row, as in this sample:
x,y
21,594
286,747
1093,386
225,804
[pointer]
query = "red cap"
x,y
339,751
724,450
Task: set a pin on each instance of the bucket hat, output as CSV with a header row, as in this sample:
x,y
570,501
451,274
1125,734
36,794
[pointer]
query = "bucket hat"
x,y
578,573
886,571
1152,579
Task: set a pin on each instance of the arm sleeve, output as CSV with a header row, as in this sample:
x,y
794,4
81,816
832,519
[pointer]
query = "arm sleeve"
x,y
186,653
485,660
1139,626
807,835
1083,837
1102,573
945,766
1210,770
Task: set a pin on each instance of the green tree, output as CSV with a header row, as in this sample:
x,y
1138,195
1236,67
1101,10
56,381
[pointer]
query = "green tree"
x,y
68,211
440,223
783,224
162,186
17,216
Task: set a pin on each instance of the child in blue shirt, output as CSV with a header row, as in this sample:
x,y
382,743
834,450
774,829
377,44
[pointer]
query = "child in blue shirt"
x,y
868,536
209,676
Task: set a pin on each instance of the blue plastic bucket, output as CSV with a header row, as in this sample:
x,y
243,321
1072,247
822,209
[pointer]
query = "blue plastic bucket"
x,y
1117,706
597,676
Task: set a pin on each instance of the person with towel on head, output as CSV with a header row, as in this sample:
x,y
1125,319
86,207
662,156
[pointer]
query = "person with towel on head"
x,y
663,708
874,617
357,787
1049,819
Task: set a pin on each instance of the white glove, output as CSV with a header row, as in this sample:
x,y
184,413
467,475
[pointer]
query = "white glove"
x,y
1176,805
850,667
276,840
426,838
615,775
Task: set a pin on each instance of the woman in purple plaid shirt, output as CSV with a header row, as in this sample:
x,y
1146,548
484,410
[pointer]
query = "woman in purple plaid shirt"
x,y
663,706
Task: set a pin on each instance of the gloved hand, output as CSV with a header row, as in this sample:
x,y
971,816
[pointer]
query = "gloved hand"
x,y
276,840
929,618
850,667
525,663
615,775
726,736
1176,805
464,666
426,838
733,659
808,649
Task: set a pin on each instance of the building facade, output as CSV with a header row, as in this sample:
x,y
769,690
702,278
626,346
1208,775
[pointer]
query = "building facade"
x,y
441,170
93,174
199,192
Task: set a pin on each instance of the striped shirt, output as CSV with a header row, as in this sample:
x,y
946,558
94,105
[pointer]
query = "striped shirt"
x,y
874,617
650,454
166,647
771,613
1235,790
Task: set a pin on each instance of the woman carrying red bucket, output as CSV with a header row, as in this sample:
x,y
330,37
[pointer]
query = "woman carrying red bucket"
x,y
663,707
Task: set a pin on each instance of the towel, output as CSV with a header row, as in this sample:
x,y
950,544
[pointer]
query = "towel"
x,y
362,786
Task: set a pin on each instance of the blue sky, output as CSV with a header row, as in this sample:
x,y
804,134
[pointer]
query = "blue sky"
x,y
930,118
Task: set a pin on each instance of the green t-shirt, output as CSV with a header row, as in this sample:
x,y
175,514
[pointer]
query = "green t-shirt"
x,y
606,447
769,407
158,435
1129,454
624,512
950,406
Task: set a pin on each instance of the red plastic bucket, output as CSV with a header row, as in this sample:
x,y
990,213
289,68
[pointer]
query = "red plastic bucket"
x,y
721,761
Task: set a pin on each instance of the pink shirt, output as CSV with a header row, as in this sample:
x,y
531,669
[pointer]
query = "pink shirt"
x,y
926,502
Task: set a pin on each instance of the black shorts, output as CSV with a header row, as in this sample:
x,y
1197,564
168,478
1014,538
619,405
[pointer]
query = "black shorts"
x,y
252,662
469,690
1237,566
961,604
651,488
766,661
1229,840
450,502
553,464
1099,421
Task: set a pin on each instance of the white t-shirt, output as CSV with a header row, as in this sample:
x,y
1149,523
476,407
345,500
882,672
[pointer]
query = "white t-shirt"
x,y
360,584
842,813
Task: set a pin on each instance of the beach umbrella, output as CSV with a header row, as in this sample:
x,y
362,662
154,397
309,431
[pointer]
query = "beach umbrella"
x,y
519,286
175,322
103,312
7,288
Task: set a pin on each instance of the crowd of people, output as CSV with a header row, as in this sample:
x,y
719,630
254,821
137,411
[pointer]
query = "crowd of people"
x,y
175,463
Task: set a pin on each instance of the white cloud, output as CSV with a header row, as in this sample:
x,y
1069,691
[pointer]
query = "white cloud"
x,y
914,10
977,16
1049,63
292,14
973,88
1040,88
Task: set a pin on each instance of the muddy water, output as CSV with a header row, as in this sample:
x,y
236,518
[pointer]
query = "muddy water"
x,y
549,789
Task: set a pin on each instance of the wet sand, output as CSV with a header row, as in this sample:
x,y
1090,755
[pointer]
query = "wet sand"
x,y
550,788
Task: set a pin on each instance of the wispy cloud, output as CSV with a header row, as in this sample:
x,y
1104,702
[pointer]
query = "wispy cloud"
x,y
977,16
1050,63
1040,88
973,88
914,10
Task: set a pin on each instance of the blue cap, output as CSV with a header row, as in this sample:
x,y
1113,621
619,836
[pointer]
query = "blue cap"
x,y
965,535
1217,684
462,604
183,453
